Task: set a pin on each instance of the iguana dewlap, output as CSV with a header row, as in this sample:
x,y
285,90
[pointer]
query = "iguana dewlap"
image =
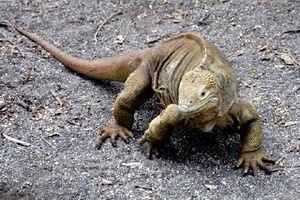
x,y
192,79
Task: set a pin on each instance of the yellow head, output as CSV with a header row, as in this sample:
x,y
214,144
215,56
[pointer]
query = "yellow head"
x,y
198,93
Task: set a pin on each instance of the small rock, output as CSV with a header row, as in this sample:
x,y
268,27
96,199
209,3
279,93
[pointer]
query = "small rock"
x,y
132,165
2,105
279,66
210,187
119,40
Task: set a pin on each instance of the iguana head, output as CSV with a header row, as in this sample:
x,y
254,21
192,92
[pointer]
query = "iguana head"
x,y
199,93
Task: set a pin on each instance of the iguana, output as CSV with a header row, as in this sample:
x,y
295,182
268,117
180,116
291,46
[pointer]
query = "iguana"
x,y
192,79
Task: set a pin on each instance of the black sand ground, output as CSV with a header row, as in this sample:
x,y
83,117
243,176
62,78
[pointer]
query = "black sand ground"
x,y
260,38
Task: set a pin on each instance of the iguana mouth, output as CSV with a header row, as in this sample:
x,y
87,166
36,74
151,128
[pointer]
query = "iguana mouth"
x,y
186,110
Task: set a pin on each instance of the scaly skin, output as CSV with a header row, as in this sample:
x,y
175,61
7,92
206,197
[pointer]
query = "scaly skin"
x,y
193,80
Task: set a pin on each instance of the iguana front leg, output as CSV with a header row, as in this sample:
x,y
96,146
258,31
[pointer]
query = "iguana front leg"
x,y
137,90
251,138
161,127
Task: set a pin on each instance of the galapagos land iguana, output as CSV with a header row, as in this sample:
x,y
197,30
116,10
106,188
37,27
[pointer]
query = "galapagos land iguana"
x,y
192,79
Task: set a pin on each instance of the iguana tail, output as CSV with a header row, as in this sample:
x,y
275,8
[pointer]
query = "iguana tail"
x,y
116,68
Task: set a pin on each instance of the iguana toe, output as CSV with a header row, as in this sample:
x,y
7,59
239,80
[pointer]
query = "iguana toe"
x,y
148,151
150,147
253,159
113,130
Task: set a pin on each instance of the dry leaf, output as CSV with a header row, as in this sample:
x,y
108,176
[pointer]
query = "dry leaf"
x,y
25,2
58,111
107,182
279,66
263,48
142,15
47,158
290,123
177,16
152,40
210,187
52,135
38,153
240,52
132,165
287,58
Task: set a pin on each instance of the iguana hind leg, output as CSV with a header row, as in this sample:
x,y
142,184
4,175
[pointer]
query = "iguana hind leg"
x,y
137,90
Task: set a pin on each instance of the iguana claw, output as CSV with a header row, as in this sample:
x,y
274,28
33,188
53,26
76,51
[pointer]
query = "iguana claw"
x,y
150,147
253,159
113,130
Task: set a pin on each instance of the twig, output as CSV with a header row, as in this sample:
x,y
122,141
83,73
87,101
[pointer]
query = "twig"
x,y
291,31
281,167
47,142
293,57
278,167
26,144
143,187
23,105
290,166
277,162
58,99
8,24
103,23
73,123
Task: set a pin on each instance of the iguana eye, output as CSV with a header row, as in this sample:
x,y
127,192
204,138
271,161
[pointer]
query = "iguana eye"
x,y
203,94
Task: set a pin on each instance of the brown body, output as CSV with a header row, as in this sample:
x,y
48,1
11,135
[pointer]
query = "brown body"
x,y
193,80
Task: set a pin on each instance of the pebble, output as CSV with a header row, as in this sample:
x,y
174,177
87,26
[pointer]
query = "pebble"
x,y
2,104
